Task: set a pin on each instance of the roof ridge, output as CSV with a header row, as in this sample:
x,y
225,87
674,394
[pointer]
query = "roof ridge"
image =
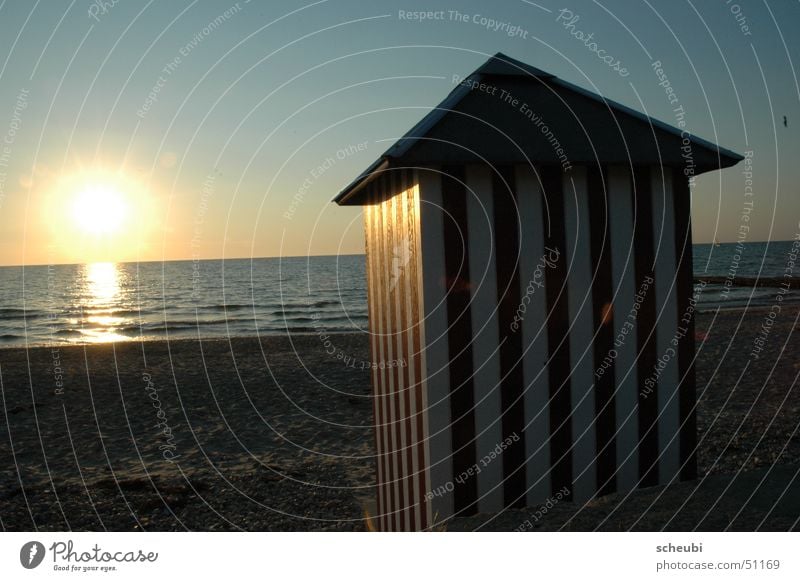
x,y
502,64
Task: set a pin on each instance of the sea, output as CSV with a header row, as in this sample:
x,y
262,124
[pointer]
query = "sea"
x,y
107,302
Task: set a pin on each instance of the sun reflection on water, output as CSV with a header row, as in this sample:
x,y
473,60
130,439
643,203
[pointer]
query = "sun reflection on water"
x,y
103,296
102,283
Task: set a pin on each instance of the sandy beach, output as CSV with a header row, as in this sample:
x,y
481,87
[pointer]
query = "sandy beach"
x,y
248,440
274,434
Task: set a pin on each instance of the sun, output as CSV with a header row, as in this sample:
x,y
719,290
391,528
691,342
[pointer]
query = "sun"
x,y
99,213
99,209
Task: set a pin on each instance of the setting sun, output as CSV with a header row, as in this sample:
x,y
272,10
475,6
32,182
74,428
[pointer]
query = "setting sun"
x,y
97,214
99,209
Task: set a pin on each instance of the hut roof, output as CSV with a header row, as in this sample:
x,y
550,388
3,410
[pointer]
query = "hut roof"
x,y
510,112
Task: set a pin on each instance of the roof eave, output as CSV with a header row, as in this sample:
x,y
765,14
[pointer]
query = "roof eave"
x,y
379,165
730,158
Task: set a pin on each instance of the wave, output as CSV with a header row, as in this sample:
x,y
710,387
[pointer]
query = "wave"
x,y
297,318
11,314
326,304
346,318
224,307
747,281
120,313
288,314
68,333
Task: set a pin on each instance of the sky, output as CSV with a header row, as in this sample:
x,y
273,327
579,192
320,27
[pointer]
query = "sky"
x,y
139,131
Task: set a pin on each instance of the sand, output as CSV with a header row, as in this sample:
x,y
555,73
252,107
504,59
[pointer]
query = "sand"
x,y
274,434
246,440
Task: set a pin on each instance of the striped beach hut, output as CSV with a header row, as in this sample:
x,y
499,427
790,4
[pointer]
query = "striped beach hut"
x,y
530,299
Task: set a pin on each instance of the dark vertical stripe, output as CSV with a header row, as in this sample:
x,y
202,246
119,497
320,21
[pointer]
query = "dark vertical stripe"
x,y
602,297
646,326
368,243
373,303
456,251
557,332
685,288
506,238
402,352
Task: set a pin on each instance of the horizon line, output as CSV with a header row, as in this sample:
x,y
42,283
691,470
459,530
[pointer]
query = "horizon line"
x,y
223,258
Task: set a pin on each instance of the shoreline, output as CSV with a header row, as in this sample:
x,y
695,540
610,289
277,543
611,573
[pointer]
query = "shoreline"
x,y
700,310
748,281
205,339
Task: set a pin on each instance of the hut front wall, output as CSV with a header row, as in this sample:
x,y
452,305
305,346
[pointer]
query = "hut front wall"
x,y
558,333
392,234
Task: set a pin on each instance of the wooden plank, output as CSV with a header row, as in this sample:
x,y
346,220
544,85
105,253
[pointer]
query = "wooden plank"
x,y
581,334
559,361
625,336
436,368
507,242
686,349
488,411
418,358
599,201
646,326
534,263
667,326
456,253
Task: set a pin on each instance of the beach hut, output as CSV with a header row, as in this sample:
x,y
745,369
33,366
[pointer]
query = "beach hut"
x,y
530,299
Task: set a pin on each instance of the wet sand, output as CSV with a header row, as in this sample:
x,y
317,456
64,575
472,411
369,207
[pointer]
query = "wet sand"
x,y
275,435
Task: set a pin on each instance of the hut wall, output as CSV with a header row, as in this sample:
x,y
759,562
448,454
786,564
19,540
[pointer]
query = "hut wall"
x,y
544,319
556,326
392,231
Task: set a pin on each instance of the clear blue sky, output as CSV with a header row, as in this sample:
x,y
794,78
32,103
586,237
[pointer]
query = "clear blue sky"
x,y
264,93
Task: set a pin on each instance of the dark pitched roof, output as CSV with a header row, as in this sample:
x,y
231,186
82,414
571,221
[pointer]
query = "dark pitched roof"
x,y
483,124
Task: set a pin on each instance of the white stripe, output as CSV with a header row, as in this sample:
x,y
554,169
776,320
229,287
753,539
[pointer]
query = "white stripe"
x,y
409,281
667,325
373,306
624,285
389,354
485,352
424,466
437,372
534,337
578,243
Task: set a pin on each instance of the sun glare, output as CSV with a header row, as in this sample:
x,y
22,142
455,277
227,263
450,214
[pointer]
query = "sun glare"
x,y
99,209
96,214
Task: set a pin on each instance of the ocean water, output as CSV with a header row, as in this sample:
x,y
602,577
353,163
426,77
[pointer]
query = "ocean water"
x,y
745,262
104,302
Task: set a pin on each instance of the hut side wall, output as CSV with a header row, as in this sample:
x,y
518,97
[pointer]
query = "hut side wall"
x,y
392,236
